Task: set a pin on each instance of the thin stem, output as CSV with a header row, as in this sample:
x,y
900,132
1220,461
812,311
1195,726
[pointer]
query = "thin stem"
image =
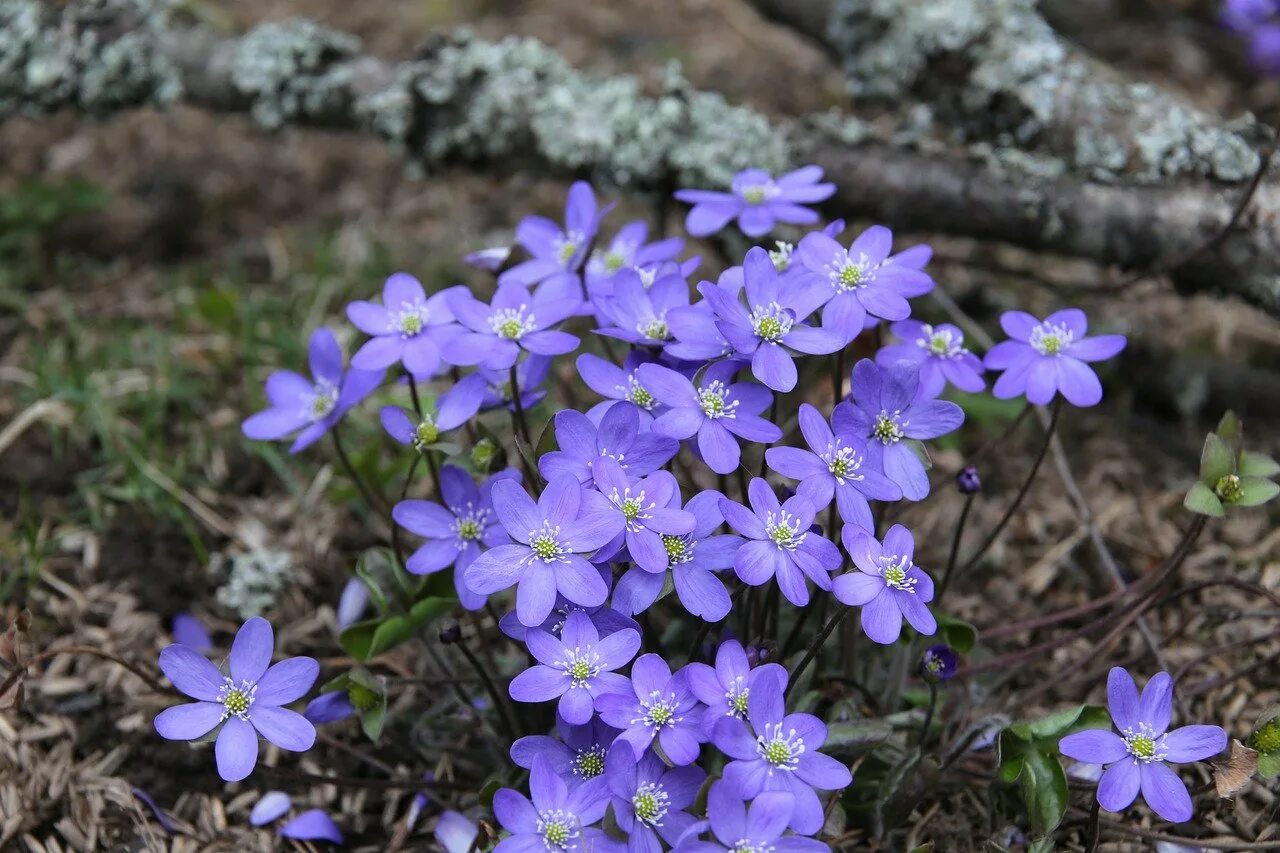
x,y
413,392
812,652
1095,831
773,419
1022,492
151,680
500,702
955,549
377,504
414,783
430,456
396,544
517,410
928,714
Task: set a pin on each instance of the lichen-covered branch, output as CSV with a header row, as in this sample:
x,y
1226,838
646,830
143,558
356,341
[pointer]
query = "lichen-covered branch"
x,y
516,102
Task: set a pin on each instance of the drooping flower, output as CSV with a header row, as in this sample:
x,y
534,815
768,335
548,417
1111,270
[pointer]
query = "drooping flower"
x,y
888,586
1139,756
312,825
649,800
770,323
885,410
726,688
657,705
939,352
352,602
834,467
557,253
576,757
618,438
776,751
329,707
860,281
554,817
494,335
247,702
738,828
757,201
575,667
407,327
645,507
1044,358
938,663
779,543
311,408
717,411
454,408
638,314
617,384
551,537
693,559
458,532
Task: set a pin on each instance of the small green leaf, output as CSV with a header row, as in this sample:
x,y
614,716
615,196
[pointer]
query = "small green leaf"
x,y
1216,459
372,637
1010,770
1044,790
1256,490
1230,429
1055,724
1092,717
1257,465
849,740
1201,499
1269,765
358,637
959,634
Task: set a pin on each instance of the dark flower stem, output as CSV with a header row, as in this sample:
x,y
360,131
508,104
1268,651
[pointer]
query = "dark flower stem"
x,y
812,652
1022,492
430,456
151,680
1095,830
955,550
517,410
789,646
413,392
376,503
501,704
928,714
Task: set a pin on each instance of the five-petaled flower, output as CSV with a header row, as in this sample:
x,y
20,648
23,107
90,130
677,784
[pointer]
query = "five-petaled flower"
x,y
247,701
407,327
757,201
557,253
888,586
494,335
939,352
658,706
1044,358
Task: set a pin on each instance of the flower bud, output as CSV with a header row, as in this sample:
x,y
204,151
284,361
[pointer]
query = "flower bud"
x,y
968,481
451,633
938,663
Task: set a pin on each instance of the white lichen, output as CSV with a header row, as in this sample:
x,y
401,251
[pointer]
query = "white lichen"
x,y
294,71
251,580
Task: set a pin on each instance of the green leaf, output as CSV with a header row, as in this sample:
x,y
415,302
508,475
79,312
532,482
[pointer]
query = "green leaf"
x,y
1044,791
378,570
372,637
849,740
1042,845
1257,465
1256,490
959,634
1051,725
1092,717
1216,459
490,787
217,307
1269,765
1201,499
1230,429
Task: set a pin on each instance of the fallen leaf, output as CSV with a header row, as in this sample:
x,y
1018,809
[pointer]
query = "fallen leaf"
x,y
1233,774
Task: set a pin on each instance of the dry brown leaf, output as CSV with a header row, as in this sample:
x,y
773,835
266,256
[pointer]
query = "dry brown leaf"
x,y
1230,776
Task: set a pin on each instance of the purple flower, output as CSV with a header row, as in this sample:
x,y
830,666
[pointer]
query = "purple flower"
x,y
776,751
757,202
407,327
1264,49
939,353
190,631
628,250
1044,358
494,334
769,324
577,757
312,825
530,374
780,543
638,314
738,828
311,407
647,514
715,412
887,586
456,406
490,260
726,688
458,532
576,667
248,699
938,663
968,482
861,280
836,466
270,807
618,383
693,559
886,411
551,536
1242,16
558,818
351,603
606,619
618,438
657,705
329,707
455,833
1139,755
649,801
557,253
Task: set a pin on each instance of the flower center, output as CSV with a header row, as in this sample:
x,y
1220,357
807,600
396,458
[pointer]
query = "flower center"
x,y
589,763
482,454
678,549
1144,744
324,398
650,803
630,509
847,273
850,276
511,323
781,256
784,529
1048,339
567,247
657,711
545,544
888,427
894,571
637,393
654,330
713,399
771,321
755,194
746,845
1228,488
781,750
581,666
411,319
941,342
844,463
557,828
470,523
236,699
737,696
425,433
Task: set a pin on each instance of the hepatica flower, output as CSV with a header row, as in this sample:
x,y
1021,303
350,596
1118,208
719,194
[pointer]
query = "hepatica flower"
x,y
246,702
575,667
885,411
779,543
456,406
617,438
578,756
717,411
638,315
648,518
554,817
495,334
458,532
757,201
406,327
649,800
629,249
658,706
726,688
888,586
310,408
551,538
618,384
834,466
776,751
606,619
860,281
768,325
1044,358
530,374
557,252
1139,756
938,352
741,829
